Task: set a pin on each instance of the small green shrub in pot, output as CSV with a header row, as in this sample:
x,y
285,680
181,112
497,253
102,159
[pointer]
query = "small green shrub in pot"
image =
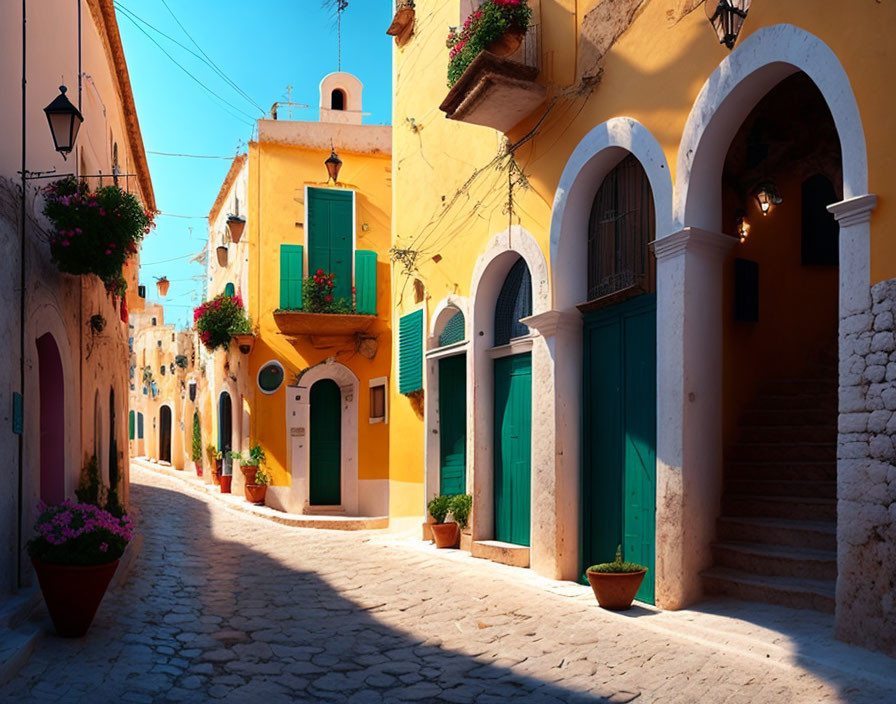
x,y
461,506
616,583
617,566
440,507
262,478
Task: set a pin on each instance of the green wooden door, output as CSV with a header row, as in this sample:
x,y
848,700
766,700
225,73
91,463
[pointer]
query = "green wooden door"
x,y
619,421
513,448
330,240
325,444
453,424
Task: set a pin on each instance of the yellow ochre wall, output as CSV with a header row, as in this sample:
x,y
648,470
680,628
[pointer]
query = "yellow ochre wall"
x,y
278,174
653,73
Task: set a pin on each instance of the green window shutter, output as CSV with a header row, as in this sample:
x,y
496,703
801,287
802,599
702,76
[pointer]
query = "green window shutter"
x,y
130,425
330,236
230,290
365,282
291,276
410,352
139,426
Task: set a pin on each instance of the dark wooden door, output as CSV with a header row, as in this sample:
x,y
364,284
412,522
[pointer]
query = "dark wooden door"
x,y
513,448
326,444
453,424
165,434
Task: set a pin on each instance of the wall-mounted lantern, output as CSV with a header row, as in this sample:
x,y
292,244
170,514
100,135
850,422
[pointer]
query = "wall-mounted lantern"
x,y
742,226
767,196
727,17
65,121
333,163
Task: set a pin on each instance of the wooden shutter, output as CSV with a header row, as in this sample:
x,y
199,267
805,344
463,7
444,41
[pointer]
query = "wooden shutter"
x,y
230,290
330,236
365,282
131,416
291,276
410,352
140,423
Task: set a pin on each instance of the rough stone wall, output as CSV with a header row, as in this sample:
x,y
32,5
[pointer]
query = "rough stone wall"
x,y
866,475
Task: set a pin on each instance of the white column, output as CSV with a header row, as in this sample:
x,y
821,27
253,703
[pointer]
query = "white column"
x,y
854,217
689,408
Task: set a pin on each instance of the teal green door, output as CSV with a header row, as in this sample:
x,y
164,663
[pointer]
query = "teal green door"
x,y
325,444
619,421
330,238
513,448
453,424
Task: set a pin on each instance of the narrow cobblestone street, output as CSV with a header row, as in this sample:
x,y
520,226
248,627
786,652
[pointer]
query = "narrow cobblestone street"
x,y
221,605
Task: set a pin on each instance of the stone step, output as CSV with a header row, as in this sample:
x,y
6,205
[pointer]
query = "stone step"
x,y
815,535
780,452
16,647
776,560
785,591
784,416
806,471
798,508
498,551
774,433
827,402
825,489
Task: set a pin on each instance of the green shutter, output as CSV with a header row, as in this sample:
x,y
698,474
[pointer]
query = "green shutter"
x,y
365,282
330,236
230,290
290,276
410,352
130,425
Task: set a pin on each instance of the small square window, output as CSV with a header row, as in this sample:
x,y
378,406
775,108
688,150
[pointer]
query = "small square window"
x,y
378,402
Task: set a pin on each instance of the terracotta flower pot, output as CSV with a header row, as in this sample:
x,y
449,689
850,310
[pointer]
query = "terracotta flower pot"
x,y
255,493
163,284
244,342
226,483
445,534
507,44
222,255
615,591
236,225
249,471
73,593
198,466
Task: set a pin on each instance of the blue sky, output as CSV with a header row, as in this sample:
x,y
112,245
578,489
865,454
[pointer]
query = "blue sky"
x,y
262,46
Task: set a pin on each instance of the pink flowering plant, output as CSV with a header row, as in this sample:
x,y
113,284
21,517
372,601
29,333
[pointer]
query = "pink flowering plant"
x,y
78,534
487,24
94,231
219,319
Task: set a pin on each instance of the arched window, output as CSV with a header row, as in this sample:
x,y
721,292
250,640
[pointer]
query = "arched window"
x,y
453,331
337,99
619,231
230,290
514,302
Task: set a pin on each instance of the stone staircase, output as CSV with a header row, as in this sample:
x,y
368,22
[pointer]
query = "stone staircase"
x,y
776,535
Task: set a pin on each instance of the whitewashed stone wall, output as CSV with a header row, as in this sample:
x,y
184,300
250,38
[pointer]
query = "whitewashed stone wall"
x,y
866,475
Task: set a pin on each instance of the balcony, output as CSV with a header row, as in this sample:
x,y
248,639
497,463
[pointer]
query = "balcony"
x,y
498,91
298,322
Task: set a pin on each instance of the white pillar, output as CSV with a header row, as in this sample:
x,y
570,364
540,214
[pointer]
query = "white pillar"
x,y
689,409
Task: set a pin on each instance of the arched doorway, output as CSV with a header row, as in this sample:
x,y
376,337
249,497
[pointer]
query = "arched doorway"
x,y
52,420
325,430
225,425
165,434
619,373
513,410
452,407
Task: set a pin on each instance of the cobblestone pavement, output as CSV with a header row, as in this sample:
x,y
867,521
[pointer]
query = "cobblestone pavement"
x,y
223,606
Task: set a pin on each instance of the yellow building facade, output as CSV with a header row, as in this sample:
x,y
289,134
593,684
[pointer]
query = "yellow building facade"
x,y
664,252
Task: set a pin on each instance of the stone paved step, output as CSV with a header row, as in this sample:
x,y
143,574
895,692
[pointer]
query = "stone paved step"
x,y
819,489
795,593
779,452
776,560
801,508
806,471
817,535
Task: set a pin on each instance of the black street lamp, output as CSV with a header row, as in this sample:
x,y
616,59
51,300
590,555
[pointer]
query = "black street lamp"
x,y
333,163
65,121
727,17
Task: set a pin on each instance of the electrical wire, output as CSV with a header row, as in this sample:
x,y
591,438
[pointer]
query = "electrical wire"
x,y
210,62
250,119
189,156
186,217
165,261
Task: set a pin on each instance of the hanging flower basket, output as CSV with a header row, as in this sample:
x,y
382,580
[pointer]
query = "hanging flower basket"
x,y
162,284
497,26
219,319
402,23
94,231
236,225
222,255
75,553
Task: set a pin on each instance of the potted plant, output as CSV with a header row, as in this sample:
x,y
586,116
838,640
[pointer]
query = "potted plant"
x,y
243,335
214,460
616,583
317,294
235,224
196,448
445,534
226,477
402,22
461,506
250,463
215,319
75,553
258,489
222,255
162,284
497,26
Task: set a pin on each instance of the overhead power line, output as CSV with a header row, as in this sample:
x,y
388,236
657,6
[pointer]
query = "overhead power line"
x,y
185,217
189,156
250,121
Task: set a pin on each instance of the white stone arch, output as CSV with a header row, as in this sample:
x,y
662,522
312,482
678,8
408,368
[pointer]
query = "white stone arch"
x,y
352,89
489,273
296,497
442,313
689,281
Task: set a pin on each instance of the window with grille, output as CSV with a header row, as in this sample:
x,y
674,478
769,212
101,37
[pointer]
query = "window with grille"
x,y
454,331
619,232
514,302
